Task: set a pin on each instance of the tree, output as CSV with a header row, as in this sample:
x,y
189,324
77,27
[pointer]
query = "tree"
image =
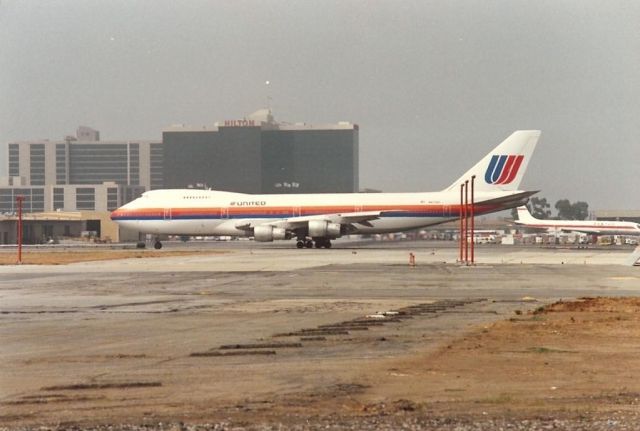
x,y
569,211
565,211
580,210
538,207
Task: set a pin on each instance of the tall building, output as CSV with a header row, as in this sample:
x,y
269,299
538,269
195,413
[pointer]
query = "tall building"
x,y
86,162
260,155
79,173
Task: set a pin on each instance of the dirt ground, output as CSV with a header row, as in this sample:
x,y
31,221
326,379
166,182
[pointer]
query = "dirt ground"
x,y
568,356
72,256
569,361
568,365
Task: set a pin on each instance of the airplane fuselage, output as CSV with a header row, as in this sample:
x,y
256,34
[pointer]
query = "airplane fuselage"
x,y
591,227
208,212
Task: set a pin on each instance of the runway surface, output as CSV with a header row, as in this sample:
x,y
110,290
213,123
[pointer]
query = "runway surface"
x,y
146,332
244,256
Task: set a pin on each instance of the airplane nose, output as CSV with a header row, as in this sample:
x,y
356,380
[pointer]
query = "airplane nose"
x,y
116,214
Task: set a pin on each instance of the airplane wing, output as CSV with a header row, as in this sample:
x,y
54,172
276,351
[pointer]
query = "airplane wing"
x,y
292,223
579,230
557,229
362,217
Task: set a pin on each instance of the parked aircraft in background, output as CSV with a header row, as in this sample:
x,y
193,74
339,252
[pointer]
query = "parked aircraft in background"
x,y
319,218
593,227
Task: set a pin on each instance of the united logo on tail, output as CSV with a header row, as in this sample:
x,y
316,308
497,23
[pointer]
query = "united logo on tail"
x,y
503,169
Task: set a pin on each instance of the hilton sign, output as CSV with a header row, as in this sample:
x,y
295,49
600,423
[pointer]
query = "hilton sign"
x,y
240,123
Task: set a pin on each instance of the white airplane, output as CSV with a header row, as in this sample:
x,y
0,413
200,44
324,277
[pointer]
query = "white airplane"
x,y
319,218
593,227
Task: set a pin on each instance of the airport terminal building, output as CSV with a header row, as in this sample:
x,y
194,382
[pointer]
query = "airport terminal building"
x,y
69,186
618,215
259,155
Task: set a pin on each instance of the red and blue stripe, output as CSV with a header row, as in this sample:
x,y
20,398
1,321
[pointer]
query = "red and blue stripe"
x,y
223,213
503,169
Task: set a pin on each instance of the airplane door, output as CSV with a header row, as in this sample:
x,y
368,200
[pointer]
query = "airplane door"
x,y
166,214
224,213
357,208
446,210
296,211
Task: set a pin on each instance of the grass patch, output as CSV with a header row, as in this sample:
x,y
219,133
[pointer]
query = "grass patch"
x,y
540,349
539,310
63,257
536,318
500,399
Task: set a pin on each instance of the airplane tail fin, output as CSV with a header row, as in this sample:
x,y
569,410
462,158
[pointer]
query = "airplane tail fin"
x,y
524,216
503,168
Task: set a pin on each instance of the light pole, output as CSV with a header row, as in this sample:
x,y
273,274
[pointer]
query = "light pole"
x,y
460,214
466,221
473,223
19,200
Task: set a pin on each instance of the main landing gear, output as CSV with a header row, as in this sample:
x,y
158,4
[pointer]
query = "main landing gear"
x,y
157,244
304,244
318,242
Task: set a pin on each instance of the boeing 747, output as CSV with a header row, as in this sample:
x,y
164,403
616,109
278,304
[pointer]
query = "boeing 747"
x,y
316,219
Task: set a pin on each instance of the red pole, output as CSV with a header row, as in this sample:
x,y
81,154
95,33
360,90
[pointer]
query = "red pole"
x,y
466,221
19,200
473,223
460,213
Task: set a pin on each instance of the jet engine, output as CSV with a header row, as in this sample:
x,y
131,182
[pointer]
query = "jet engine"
x,y
324,229
269,233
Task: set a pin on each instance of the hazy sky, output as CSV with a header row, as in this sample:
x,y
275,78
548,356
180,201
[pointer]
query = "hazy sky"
x,y
434,85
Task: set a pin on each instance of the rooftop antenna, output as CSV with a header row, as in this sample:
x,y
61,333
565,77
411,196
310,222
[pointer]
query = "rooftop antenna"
x,y
269,99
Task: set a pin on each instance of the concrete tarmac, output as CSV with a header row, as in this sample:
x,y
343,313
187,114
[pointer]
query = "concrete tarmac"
x,y
245,256
125,332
